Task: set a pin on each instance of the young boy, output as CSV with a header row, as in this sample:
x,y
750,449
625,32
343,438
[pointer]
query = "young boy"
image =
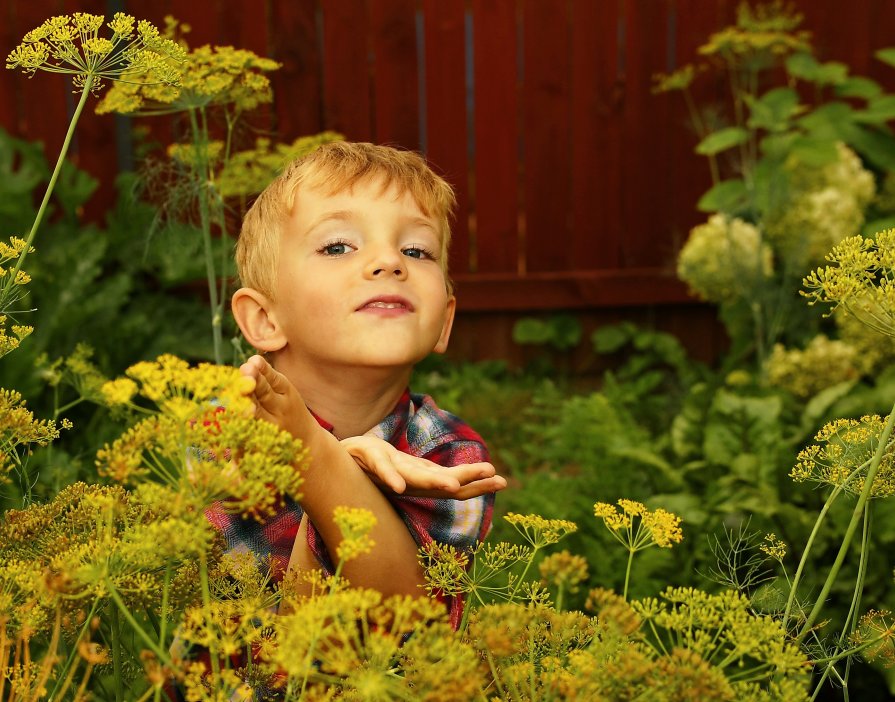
x,y
344,263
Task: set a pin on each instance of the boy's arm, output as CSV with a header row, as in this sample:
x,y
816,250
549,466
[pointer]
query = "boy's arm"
x,y
331,479
413,476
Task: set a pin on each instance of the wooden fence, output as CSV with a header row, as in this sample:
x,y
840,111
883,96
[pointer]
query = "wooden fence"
x,y
576,184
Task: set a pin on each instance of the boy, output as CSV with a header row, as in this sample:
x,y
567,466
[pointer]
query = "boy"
x,y
344,263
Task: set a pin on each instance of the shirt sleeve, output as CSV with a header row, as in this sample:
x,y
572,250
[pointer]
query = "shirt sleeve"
x,y
460,523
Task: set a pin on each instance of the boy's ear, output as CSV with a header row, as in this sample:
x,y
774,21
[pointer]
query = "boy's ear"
x,y
255,316
442,344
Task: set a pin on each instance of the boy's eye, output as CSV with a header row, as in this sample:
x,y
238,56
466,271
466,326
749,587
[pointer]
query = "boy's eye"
x,y
417,252
337,248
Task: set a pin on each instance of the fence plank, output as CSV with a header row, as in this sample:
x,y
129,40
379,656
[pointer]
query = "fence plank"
x,y
547,142
346,68
496,192
45,100
295,43
446,130
395,77
596,154
645,177
9,80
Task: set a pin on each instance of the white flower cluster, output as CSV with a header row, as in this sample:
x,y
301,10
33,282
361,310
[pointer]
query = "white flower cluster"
x,y
825,206
805,372
724,259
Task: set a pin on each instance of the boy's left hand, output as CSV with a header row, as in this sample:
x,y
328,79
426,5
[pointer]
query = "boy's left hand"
x,y
417,477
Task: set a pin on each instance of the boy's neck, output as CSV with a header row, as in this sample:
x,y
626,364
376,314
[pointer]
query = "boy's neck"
x,y
353,400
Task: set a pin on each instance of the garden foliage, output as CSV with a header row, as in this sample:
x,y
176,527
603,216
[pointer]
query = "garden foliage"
x,y
112,579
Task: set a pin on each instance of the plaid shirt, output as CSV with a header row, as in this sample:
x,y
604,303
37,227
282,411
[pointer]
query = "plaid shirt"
x,y
417,427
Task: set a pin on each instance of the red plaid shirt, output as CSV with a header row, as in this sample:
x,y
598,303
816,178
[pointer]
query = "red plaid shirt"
x,y
417,427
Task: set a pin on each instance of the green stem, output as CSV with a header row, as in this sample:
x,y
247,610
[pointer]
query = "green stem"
x,y
804,560
74,651
138,630
116,654
856,517
200,142
10,281
628,573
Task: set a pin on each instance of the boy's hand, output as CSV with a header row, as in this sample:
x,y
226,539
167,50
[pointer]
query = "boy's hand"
x,y
417,477
276,399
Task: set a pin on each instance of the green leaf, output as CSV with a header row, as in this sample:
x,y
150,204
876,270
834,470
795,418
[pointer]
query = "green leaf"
x,y
858,87
802,65
806,67
724,139
886,55
878,111
739,425
529,330
833,120
690,508
611,338
727,196
815,151
818,407
773,110
565,331
876,146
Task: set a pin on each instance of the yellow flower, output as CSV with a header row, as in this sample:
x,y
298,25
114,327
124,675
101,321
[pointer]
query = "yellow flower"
x,y
70,44
355,524
774,547
538,531
659,527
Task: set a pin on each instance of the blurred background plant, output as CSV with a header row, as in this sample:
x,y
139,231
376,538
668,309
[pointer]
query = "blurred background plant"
x,y
800,156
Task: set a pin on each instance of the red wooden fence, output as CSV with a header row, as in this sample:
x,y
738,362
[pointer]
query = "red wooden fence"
x,y
576,184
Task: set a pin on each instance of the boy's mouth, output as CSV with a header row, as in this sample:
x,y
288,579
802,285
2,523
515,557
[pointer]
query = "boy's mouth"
x,y
387,302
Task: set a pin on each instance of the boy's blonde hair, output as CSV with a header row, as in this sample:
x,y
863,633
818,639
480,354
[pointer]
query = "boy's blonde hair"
x,y
335,167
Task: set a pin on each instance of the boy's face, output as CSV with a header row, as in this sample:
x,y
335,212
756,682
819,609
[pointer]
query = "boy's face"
x,y
359,283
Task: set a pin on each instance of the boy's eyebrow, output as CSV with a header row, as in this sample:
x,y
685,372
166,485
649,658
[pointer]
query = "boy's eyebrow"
x,y
336,216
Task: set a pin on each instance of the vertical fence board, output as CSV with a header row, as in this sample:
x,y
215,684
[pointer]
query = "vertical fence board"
x,y
9,80
645,174
43,100
296,85
395,77
547,142
693,22
346,68
496,136
596,154
447,135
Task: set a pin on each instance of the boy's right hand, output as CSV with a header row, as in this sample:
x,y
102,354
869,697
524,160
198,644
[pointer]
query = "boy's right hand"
x,y
277,400
417,477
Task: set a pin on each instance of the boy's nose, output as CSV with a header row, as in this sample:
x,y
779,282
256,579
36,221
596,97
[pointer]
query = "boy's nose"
x,y
383,264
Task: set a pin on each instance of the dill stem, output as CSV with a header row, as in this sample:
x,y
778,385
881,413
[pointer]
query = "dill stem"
x,y
10,280
857,516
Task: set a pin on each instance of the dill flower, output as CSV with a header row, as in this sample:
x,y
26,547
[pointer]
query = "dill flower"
x,y
641,527
204,441
823,363
249,171
564,569
721,627
873,351
679,79
876,634
11,343
724,259
210,76
11,252
842,455
355,525
773,547
441,667
539,531
71,44
761,35
861,279
19,431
